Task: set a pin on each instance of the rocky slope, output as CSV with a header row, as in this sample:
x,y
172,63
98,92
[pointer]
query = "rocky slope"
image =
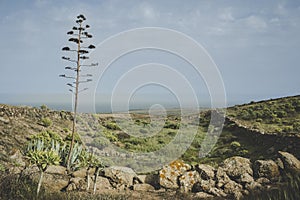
x,y
17,124
232,174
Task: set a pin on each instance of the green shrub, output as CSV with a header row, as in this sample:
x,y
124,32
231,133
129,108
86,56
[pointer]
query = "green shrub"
x,y
2,168
281,113
46,122
172,125
288,129
172,133
100,143
296,126
235,145
66,130
243,152
259,120
112,126
109,135
44,107
77,138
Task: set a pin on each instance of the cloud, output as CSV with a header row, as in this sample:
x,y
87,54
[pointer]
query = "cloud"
x,y
149,12
226,15
280,9
256,23
41,3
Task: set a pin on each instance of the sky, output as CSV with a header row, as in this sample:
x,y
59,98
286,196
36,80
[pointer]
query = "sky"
x,y
254,44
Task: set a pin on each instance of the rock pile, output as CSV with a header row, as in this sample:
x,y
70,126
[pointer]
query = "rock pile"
x,y
233,179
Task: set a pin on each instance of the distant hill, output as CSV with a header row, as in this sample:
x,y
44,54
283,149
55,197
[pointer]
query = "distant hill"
x,y
276,116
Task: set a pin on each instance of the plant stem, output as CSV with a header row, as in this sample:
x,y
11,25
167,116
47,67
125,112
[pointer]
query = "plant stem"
x,y
40,183
88,179
76,98
95,181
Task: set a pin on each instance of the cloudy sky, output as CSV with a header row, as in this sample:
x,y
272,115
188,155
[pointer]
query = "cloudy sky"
x,y
255,44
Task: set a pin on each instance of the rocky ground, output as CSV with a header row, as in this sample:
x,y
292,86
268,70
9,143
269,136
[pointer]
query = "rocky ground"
x,y
236,177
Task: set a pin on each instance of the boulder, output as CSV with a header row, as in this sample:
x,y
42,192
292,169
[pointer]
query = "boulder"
x,y
237,166
143,187
246,178
101,184
279,163
151,179
188,179
221,177
55,182
80,173
290,162
79,183
76,184
206,185
217,192
168,175
266,168
263,181
203,195
206,171
120,176
71,187
83,172
56,170
141,178
232,187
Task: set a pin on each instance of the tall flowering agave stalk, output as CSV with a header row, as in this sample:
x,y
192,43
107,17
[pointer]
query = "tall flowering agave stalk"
x,y
79,35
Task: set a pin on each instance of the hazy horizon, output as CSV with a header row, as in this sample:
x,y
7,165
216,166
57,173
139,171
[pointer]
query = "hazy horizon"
x,y
64,102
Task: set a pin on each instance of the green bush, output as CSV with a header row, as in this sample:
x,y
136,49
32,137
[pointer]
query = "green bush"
x,y
46,122
259,120
296,126
77,138
281,113
44,107
243,152
2,168
109,135
172,125
288,129
235,145
100,143
112,126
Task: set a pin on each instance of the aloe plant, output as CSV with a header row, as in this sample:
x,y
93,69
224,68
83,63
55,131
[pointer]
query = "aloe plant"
x,y
42,159
74,162
44,149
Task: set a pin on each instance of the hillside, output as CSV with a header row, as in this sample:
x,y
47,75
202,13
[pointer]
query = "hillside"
x,y
256,132
276,116
17,124
253,130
